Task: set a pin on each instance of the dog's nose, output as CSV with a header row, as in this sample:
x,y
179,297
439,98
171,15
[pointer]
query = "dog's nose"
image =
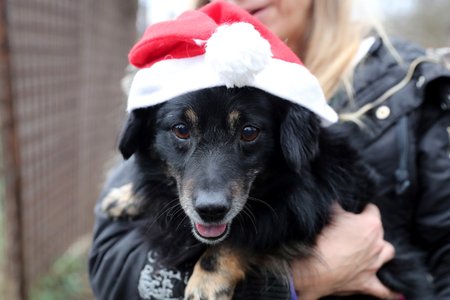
x,y
212,206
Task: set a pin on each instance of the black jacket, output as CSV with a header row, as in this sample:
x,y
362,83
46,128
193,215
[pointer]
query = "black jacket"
x,y
404,137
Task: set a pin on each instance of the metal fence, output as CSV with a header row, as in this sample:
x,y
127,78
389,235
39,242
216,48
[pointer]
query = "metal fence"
x,y
61,62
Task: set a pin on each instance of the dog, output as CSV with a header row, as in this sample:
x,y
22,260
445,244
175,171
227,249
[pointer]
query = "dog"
x,y
233,178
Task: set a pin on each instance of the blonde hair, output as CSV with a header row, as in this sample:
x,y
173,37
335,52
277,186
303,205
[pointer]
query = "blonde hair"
x,y
330,43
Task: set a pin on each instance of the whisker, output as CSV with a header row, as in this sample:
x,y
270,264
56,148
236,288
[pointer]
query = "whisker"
x,y
164,211
198,243
171,214
265,203
181,222
249,213
240,222
179,211
167,208
251,217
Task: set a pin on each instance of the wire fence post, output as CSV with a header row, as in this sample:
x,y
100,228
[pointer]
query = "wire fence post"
x,y
14,283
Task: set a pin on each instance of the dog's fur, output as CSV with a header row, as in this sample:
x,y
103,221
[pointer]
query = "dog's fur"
x,y
274,192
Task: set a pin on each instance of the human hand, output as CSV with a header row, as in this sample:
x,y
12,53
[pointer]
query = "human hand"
x,y
349,253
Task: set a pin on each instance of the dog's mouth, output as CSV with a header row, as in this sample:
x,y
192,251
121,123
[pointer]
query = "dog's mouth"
x,y
210,232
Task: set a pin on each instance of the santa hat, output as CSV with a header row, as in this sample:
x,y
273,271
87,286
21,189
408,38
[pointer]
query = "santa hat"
x,y
219,45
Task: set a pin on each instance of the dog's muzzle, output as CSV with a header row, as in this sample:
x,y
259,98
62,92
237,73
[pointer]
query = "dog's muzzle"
x,y
212,208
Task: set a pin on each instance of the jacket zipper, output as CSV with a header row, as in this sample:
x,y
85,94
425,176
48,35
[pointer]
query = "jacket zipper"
x,y
448,133
402,174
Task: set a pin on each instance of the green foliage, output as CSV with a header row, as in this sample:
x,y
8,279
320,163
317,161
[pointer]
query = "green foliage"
x,y
66,280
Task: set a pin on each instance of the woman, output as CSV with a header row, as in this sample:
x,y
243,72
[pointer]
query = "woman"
x,y
402,131
395,102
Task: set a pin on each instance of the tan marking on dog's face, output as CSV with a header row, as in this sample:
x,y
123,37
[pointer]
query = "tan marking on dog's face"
x,y
236,189
186,189
239,196
233,117
191,116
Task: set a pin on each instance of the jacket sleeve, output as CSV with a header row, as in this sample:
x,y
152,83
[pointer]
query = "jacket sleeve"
x,y
117,256
119,251
433,207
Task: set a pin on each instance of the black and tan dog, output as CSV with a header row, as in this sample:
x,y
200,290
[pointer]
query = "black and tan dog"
x,y
249,175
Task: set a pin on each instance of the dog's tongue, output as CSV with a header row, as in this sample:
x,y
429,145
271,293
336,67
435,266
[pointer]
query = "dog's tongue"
x,y
210,231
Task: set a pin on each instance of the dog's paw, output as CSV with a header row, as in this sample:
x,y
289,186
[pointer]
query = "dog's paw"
x,y
209,286
215,275
120,202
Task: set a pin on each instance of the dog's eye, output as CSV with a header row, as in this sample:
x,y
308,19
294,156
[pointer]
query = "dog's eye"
x,y
181,131
249,133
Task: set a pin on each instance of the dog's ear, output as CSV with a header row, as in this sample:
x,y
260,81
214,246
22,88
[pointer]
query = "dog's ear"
x,y
299,136
131,134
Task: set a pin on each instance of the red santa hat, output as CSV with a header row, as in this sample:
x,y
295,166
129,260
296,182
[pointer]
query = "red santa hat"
x,y
219,45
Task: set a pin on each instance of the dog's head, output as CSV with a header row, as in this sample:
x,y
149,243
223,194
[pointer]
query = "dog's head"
x,y
215,143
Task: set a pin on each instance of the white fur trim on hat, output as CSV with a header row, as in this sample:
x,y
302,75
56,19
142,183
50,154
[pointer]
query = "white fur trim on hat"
x,y
173,77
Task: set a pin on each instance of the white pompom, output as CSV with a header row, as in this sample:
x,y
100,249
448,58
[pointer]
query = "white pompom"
x,y
237,52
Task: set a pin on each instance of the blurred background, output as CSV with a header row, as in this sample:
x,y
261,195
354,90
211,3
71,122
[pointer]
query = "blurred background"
x,y
61,107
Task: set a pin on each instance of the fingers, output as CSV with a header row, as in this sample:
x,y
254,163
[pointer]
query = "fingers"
x,y
373,218
372,209
375,288
387,253
373,250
